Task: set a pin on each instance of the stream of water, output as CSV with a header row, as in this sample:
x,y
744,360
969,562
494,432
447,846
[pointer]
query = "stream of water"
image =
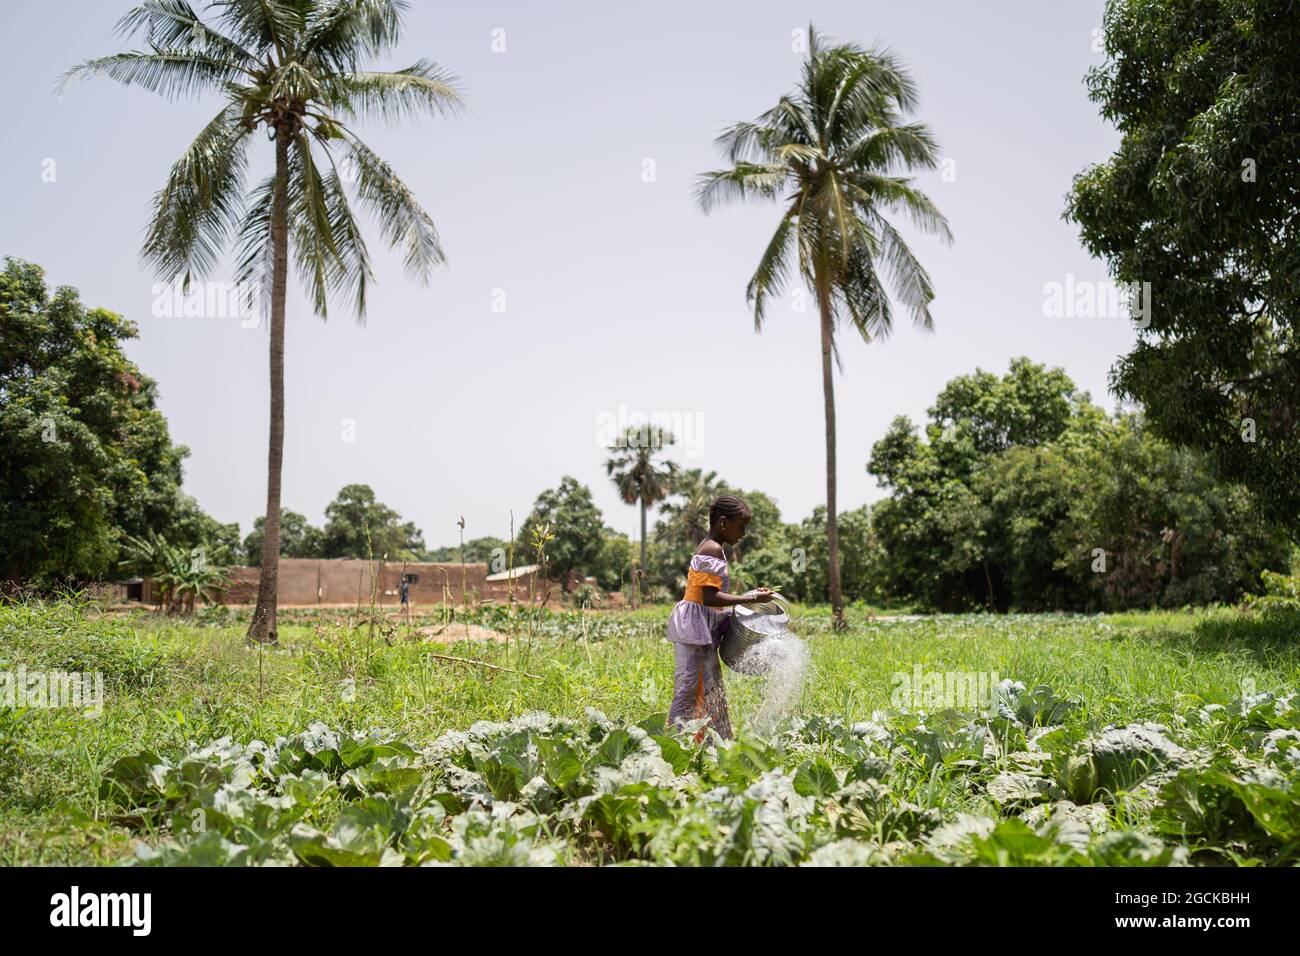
x,y
782,659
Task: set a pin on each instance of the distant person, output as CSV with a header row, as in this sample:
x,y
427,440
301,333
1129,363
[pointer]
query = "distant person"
x,y
700,620
404,589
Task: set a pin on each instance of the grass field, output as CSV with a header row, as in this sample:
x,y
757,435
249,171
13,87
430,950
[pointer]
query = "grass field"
x,y
854,778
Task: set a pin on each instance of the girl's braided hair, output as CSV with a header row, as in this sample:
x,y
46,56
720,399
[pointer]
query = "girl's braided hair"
x,y
727,506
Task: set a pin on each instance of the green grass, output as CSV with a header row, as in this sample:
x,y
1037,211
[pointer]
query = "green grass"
x,y
170,683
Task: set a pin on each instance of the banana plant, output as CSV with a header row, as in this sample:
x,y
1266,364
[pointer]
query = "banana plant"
x,y
184,576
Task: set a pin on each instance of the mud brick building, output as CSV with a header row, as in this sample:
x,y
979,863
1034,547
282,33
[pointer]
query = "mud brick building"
x,y
345,581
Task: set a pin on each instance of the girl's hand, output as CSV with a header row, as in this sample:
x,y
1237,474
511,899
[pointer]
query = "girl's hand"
x,y
761,595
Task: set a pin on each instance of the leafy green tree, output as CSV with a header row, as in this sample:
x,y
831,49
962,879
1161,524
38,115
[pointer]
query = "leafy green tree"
x,y
1020,524
1031,405
802,561
298,538
833,151
85,454
952,497
865,559
935,536
1170,532
772,566
1025,495
359,526
798,568
613,569
194,528
1199,200
295,69
575,524
637,476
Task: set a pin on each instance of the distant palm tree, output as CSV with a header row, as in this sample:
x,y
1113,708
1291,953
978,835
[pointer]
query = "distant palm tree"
x,y
832,151
293,67
636,476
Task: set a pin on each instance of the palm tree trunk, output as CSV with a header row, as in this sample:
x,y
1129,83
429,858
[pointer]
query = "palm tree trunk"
x,y
832,524
262,627
641,570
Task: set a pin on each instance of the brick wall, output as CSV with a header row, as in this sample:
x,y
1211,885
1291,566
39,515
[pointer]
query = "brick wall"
x,y
344,581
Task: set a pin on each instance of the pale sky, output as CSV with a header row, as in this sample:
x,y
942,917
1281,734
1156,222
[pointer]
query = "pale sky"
x,y
617,290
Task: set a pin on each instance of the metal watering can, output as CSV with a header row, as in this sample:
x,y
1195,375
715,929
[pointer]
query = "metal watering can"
x,y
751,624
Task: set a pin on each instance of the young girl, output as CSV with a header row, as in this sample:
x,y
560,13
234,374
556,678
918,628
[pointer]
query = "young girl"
x,y
700,619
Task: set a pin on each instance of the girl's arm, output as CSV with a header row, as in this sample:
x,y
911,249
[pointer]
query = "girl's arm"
x,y
712,597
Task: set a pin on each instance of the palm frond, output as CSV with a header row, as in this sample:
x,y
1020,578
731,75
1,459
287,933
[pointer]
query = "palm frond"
x,y
770,277
873,193
870,87
832,222
910,280
173,24
910,145
253,253
354,271
169,73
341,33
202,200
743,181
854,84
424,87
402,220
793,122
749,142
315,250
259,24
798,157
863,296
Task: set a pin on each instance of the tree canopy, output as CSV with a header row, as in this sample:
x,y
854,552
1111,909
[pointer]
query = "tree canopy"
x,y
1077,511
357,525
574,526
298,538
1200,200
85,454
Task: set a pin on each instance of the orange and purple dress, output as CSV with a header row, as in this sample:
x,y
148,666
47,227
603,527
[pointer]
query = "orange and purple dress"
x,y
696,631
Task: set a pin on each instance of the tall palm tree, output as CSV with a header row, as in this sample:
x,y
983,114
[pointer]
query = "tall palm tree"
x,y
295,69
637,476
833,152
